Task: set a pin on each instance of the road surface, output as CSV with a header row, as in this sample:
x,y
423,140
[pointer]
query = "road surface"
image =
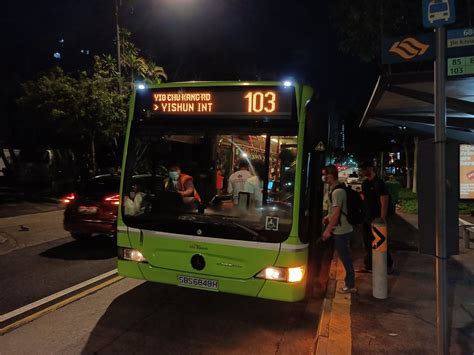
x,y
116,315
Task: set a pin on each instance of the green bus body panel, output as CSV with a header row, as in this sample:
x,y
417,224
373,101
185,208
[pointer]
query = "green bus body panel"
x,y
221,260
234,267
171,258
123,240
147,272
275,290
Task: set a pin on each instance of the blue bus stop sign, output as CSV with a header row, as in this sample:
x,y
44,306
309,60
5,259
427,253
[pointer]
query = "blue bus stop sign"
x,y
438,13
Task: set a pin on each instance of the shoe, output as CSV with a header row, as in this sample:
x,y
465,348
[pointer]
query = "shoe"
x,y
346,289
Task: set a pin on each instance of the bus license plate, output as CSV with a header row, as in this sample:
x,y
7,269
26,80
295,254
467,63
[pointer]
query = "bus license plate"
x,y
198,282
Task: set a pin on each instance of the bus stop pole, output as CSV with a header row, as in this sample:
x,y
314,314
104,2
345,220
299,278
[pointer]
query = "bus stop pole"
x,y
440,192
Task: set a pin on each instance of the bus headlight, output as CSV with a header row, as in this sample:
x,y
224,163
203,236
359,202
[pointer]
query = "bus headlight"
x,y
130,254
291,274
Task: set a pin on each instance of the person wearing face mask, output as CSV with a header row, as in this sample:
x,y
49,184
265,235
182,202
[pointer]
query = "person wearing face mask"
x,y
182,184
337,226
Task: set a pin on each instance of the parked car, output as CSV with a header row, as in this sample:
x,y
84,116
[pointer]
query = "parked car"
x,y
354,179
93,208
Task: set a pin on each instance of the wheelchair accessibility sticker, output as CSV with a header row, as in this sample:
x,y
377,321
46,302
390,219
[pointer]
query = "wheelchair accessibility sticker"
x,y
271,223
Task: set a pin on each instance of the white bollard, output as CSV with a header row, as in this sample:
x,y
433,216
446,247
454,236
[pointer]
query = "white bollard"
x,y
379,260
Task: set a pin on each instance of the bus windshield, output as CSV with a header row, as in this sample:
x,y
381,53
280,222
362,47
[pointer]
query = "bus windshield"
x,y
232,186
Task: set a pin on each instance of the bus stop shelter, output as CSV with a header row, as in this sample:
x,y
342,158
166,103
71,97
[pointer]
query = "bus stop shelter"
x,y
405,102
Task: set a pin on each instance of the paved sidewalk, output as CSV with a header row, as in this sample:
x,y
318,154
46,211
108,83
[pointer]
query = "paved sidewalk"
x,y
405,323
17,203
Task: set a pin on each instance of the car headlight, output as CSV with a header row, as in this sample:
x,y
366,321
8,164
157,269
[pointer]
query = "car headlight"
x,y
291,274
130,254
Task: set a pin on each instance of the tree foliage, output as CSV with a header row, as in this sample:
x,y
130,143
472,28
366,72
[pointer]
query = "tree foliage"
x,y
88,109
135,66
362,24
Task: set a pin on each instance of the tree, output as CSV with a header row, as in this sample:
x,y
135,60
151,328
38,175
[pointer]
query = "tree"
x,y
50,105
89,106
361,25
415,164
407,161
136,67
105,108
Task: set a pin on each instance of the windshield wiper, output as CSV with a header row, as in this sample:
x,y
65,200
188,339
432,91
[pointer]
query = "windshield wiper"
x,y
245,228
208,215
228,219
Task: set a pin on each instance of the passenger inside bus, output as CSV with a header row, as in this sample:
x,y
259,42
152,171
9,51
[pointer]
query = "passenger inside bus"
x,y
254,184
238,179
133,203
181,183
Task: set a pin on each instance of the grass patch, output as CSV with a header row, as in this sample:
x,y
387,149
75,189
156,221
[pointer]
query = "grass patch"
x,y
466,207
408,201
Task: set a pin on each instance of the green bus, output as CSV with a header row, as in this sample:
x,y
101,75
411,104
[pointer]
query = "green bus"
x,y
215,188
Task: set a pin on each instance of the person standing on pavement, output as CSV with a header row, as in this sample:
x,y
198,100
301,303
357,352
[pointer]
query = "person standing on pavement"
x,y
375,197
337,225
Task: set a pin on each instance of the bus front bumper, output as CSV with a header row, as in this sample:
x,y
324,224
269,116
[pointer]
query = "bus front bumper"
x,y
253,287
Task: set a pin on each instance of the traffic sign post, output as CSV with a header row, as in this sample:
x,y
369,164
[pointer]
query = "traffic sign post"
x,y
440,196
438,13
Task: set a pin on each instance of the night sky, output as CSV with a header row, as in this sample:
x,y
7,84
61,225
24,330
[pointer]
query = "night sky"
x,y
191,39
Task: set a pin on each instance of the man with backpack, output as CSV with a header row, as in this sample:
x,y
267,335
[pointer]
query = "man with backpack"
x,y
336,224
376,201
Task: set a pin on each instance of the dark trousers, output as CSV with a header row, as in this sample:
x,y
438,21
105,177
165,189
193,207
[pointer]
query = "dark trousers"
x,y
342,244
368,239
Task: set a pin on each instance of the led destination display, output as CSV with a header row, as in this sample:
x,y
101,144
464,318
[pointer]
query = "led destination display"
x,y
267,101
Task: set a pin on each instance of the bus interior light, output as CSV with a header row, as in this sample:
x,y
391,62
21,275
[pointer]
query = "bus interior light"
x,y
130,255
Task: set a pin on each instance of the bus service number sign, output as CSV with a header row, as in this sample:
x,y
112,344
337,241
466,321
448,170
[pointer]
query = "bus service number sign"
x,y
271,101
461,66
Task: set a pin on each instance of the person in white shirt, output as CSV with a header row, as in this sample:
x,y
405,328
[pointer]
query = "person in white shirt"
x,y
237,180
254,185
133,203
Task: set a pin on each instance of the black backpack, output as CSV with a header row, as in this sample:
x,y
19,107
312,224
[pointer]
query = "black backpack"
x,y
355,209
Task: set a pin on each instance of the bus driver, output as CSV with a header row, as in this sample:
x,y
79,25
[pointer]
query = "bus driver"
x,y
182,184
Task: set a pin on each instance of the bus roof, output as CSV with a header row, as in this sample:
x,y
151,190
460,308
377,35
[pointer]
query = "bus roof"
x,y
220,83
